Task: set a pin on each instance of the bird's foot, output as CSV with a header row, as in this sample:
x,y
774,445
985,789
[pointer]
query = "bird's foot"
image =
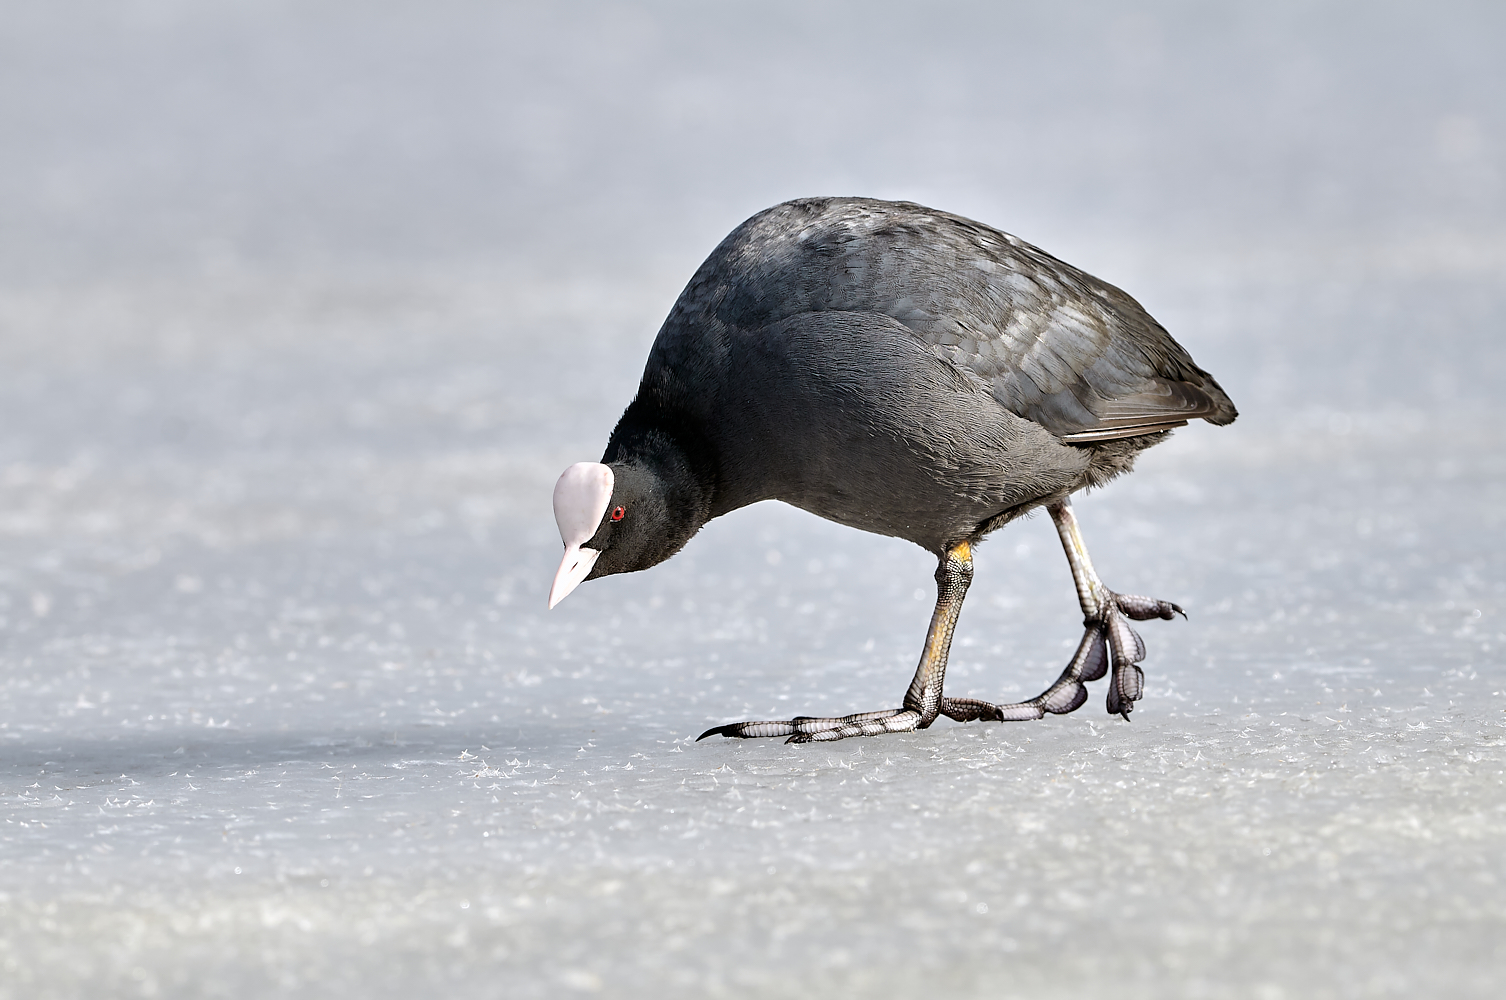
x,y
1105,633
809,729
1127,648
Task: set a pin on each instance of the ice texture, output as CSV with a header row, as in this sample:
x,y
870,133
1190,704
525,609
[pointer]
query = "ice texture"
x,y
304,307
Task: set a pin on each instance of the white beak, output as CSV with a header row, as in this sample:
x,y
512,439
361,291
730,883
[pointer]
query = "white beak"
x,y
580,499
575,568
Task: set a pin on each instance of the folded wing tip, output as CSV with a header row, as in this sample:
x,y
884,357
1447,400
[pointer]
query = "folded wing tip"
x,y
1100,434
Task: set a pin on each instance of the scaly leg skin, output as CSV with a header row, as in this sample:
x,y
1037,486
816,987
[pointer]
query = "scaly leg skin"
x,y
923,701
1105,632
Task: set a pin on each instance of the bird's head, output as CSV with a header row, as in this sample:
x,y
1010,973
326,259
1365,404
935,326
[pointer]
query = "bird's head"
x,y
612,519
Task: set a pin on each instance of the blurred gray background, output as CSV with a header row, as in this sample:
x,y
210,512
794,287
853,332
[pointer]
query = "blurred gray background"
x,y
303,306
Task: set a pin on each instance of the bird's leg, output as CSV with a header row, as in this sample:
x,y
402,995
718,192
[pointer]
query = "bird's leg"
x,y
1106,636
923,701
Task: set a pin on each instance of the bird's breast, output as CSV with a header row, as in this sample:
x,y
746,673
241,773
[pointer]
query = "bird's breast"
x,y
848,416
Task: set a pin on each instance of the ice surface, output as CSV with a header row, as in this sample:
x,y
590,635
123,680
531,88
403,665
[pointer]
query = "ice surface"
x,y
308,307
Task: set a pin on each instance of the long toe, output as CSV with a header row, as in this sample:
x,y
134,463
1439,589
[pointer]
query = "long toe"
x,y
973,710
868,724
1126,643
1144,608
1128,683
1125,689
803,728
750,730
969,710
1064,698
1092,658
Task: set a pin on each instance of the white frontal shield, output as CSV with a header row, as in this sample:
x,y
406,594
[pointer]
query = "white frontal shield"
x,y
580,499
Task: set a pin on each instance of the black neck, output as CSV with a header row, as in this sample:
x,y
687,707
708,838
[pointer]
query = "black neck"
x,y
656,444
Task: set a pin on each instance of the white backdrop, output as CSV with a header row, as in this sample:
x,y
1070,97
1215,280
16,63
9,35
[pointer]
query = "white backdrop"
x,y
304,306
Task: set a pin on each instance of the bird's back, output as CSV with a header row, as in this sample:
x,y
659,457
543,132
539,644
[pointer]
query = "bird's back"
x,y
1057,346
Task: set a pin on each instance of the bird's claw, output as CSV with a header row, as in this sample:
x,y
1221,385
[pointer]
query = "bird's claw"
x,y
1108,641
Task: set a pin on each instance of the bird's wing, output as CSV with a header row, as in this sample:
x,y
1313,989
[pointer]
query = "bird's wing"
x,y
1058,346
1072,353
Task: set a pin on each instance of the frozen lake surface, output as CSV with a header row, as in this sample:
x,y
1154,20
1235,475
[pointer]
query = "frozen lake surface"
x,y
282,713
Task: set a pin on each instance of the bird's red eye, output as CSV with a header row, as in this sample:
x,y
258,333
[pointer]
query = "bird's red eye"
x,y
618,513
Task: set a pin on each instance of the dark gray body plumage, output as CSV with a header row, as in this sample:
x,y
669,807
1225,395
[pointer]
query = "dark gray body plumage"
x,y
906,371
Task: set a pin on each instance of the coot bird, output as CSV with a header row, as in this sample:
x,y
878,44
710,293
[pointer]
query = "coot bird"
x,y
905,371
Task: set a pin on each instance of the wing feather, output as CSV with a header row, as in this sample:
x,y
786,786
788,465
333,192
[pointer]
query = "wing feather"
x,y
1060,347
